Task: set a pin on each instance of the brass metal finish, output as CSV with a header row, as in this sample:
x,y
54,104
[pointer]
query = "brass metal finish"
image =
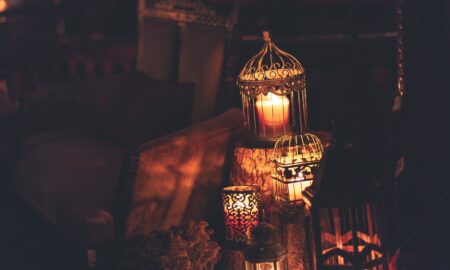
x,y
273,90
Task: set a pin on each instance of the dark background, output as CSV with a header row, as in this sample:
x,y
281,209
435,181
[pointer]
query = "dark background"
x,y
347,48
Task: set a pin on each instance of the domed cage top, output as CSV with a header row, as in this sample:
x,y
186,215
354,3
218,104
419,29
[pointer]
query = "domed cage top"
x,y
273,90
296,158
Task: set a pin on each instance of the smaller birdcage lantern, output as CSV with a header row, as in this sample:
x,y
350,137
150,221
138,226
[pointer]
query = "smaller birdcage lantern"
x,y
296,159
265,253
241,211
273,90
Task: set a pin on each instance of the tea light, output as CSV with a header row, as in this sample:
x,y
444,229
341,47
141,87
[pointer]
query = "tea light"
x,y
297,186
241,210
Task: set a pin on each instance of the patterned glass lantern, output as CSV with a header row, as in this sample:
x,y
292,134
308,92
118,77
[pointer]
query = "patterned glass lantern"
x,y
273,90
241,210
346,214
296,160
265,253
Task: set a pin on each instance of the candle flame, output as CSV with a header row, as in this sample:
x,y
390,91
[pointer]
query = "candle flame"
x,y
272,99
273,114
241,205
3,5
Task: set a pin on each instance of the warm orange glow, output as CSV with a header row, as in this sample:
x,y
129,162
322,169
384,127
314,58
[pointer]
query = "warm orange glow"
x,y
3,5
297,186
291,190
344,238
262,266
273,114
296,158
241,210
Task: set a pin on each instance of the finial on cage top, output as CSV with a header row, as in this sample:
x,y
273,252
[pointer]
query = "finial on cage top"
x,y
272,64
266,36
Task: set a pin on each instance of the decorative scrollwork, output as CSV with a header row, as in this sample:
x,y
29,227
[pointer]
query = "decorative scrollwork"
x,y
271,70
278,87
288,173
297,149
241,211
272,85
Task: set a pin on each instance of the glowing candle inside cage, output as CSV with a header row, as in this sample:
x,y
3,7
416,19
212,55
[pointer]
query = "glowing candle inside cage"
x,y
273,114
265,265
241,211
3,5
297,186
296,158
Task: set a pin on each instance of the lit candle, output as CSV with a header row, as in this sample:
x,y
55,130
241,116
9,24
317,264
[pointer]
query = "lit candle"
x,y
296,158
241,211
3,5
297,186
273,114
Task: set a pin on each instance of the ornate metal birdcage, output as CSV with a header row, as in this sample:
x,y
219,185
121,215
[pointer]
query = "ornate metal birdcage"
x,y
296,158
273,90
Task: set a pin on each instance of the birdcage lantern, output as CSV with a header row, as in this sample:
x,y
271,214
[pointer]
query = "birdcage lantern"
x,y
265,253
273,91
345,208
296,159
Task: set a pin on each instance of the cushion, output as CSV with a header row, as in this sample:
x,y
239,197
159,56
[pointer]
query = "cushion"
x,y
180,176
66,105
169,52
68,176
139,109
